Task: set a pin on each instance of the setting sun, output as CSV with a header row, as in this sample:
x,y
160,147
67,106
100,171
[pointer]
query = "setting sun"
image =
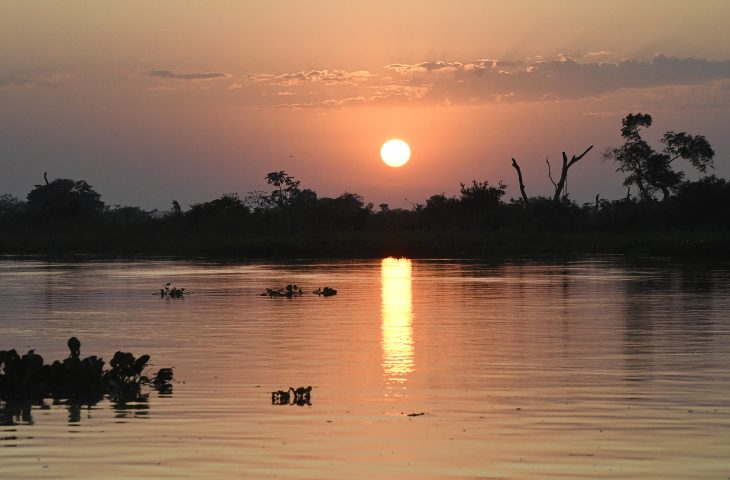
x,y
395,153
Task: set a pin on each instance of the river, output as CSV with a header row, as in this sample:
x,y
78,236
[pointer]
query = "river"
x,y
601,367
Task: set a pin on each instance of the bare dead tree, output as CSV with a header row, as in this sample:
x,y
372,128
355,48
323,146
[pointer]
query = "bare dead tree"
x,y
550,173
522,185
564,172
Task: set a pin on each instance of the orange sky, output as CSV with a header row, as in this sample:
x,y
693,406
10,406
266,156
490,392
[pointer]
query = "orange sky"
x,y
154,101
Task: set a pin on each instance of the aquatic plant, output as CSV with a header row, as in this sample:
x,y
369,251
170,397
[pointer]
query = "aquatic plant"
x,y
294,396
292,290
169,290
325,292
289,291
28,377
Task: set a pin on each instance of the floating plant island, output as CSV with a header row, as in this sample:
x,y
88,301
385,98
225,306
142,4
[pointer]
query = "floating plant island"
x,y
27,377
292,290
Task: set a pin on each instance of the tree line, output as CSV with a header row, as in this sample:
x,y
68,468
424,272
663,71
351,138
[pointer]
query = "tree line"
x,y
668,213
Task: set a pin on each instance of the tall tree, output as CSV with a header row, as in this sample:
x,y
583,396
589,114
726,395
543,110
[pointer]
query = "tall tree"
x,y
287,188
652,171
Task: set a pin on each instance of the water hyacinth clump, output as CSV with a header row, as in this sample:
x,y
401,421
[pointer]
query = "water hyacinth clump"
x,y
325,292
28,377
293,290
300,396
289,291
169,290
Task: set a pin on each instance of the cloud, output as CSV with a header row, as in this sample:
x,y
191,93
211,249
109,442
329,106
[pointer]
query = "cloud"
x,y
329,77
14,82
441,66
329,103
563,78
50,80
187,76
380,95
600,55
590,75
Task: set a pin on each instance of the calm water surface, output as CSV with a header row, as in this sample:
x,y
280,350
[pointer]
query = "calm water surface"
x,y
601,368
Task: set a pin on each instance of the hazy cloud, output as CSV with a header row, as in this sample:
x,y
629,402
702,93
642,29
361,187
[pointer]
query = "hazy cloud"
x,y
385,94
50,80
187,76
329,103
330,77
14,82
600,55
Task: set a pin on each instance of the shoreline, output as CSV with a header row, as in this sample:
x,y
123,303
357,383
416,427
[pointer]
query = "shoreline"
x,y
700,244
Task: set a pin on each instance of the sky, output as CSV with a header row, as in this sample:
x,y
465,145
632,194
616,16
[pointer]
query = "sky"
x,y
189,100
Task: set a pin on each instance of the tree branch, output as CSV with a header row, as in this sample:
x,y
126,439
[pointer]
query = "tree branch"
x,y
550,174
575,159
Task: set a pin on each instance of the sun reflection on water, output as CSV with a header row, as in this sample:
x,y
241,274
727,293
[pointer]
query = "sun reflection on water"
x,y
397,313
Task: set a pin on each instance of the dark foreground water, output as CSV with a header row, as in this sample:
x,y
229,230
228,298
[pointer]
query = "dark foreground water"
x,y
602,368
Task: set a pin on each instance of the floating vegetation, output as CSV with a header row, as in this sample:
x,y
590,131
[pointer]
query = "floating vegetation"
x,y
85,380
300,396
325,292
289,291
292,290
169,290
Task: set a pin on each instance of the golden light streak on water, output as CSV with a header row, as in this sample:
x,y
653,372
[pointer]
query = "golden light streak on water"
x,y
397,316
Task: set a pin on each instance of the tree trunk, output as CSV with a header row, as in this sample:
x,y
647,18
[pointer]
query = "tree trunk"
x,y
522,185
564,172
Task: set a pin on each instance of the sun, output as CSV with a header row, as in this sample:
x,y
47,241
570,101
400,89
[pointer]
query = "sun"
x,y
395,153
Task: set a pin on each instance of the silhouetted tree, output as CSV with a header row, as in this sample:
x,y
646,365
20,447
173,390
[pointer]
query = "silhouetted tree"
x,y
64,198
306,198
225,213
228,203
440,211
11,212
561,185
441,201
482,195
126,220
525,200
287,188
705,201
652,171
257,201
347,210
10,204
